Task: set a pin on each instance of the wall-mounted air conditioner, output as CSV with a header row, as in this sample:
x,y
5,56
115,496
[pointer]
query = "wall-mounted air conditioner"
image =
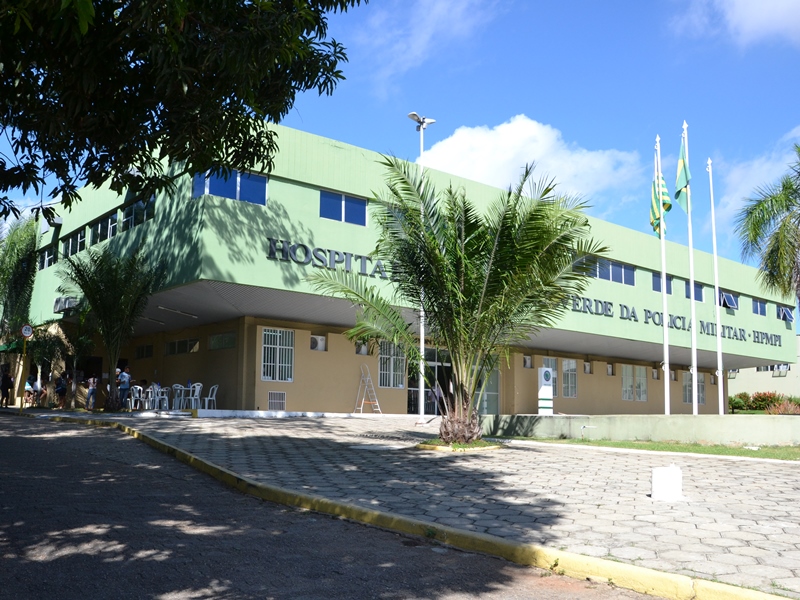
x,y
64,303
318,343
362,349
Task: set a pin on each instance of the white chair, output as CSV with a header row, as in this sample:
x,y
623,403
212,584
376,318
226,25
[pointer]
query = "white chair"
x,y
194,400
212,397
178,396
161,398
148,399
135,397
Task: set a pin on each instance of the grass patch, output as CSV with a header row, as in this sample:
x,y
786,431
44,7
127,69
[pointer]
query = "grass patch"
x,y
776,452
475,444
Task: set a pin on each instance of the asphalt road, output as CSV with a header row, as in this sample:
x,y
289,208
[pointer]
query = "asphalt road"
x,y
92,513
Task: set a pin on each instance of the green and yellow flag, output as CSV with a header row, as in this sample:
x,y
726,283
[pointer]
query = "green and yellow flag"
x,y
659,190
682,182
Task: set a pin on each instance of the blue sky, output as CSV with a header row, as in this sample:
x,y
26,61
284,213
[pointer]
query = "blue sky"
x,y
580,87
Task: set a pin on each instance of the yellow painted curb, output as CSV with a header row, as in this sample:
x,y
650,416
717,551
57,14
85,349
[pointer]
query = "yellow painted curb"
x,y
437,448
577,566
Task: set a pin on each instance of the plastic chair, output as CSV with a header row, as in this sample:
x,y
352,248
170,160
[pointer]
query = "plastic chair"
x,y
194,400
135,397
212,396
178,396
161,398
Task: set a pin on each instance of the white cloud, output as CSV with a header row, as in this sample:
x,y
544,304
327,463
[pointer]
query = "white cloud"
x,y
496,155
738,181
746,21
402,35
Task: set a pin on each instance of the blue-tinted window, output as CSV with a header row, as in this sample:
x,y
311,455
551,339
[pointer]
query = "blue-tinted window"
x,y
760,307
330,205
698,291
628,275
657,283
355,210
616,272
253,188
198,185
218,186
603,269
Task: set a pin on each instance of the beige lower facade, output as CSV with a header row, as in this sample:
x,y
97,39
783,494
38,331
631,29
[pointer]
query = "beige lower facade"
x,y
232,355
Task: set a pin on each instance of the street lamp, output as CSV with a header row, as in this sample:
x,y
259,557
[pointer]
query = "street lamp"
x,y
422,124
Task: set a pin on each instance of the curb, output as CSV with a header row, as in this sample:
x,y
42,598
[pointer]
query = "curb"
x,y
576,566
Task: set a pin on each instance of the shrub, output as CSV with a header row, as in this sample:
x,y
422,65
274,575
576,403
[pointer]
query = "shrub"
x,y
761,400
783,407
736,403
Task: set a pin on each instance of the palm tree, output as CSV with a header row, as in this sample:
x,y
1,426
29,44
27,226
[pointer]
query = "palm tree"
x,y
116,290
486,281
769,228
18,249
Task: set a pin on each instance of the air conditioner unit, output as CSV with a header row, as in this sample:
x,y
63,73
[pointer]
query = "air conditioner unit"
x,y
362,349
64,303
318,343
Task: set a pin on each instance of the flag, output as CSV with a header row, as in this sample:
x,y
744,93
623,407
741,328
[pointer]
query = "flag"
x,y
659,190
682,182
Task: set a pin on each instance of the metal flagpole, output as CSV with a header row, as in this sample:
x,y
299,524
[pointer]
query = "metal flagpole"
x,y
664,311
720,372
693,324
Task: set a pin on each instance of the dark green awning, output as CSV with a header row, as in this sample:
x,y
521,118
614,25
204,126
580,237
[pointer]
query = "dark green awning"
x,y
14,346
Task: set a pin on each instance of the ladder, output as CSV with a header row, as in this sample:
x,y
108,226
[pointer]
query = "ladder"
x,y
366,393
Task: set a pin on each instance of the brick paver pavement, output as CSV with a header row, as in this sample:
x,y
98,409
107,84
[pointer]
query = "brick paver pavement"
x,y
739,523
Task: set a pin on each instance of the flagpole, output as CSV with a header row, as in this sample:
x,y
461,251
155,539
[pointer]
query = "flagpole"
x,y
716,292
693,324
664,310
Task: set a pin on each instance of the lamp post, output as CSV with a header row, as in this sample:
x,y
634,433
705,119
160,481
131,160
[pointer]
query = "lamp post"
x,y
422,124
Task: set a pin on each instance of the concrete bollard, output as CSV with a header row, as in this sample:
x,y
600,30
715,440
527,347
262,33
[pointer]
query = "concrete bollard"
x,y
667,484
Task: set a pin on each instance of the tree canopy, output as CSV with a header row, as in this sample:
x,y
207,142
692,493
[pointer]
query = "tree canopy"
x,y
486,279
110,90
769,228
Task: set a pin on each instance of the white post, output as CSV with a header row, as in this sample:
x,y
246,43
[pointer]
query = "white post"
x,y
421,396
695,374
664,309
716,292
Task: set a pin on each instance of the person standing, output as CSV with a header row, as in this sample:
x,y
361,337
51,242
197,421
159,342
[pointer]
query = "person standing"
x,y
91,392
61,390
6,383
124,386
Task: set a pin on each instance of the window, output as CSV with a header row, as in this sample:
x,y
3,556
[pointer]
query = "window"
x,y
74,243
778,367
340,207
104,229
245,187
729,300
221,341
277,355
47,257
611,270
759,307
786,313
627,382
698,291
391,366
687,388
641,384
145,351
657,283
552,364
137,213
182,347
570,378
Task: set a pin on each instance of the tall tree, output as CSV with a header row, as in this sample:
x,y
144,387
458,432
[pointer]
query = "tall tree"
x,y
116,290
18,253
105,90
769,229
486,280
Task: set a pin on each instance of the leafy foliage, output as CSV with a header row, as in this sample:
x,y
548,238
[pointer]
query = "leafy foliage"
x,y
485,280
769,229
108,90
116,290
17,274
784,406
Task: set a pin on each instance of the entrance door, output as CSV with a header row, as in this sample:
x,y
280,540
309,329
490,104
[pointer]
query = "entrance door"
x,y
490,400
438,370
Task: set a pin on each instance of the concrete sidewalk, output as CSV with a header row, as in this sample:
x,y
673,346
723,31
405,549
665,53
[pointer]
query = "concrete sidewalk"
x,y
739,523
